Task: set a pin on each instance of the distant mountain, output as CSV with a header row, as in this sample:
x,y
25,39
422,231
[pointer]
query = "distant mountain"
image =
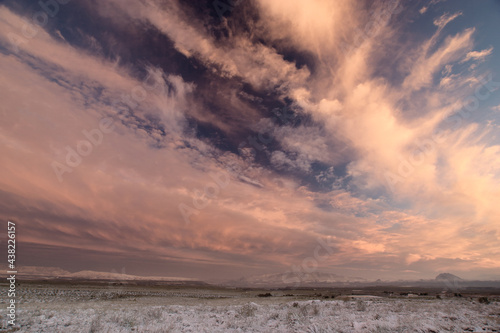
x,y
50,273
93,275
29,271
294,279
447,277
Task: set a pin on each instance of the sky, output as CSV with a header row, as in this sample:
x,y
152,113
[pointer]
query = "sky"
x,y
218,140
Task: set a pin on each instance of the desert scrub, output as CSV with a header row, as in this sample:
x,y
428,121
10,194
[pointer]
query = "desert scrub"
x,y
95,325
318,329
247,310
292,318
155,313
128,323
382,329
122,320
274,316
303,310
483,300
360,305
315,310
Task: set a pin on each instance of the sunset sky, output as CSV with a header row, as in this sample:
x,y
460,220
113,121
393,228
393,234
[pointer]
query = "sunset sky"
x,y
214,141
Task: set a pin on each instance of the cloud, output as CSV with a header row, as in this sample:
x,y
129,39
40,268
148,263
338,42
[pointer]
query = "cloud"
x,y
444,19
424,9
259,65
478,55
281,161
424,69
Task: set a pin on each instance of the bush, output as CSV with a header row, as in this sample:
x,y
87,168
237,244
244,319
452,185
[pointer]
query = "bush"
x,y
484,300
315,310
265,295
154,313
360,305
95,325
247,310
274,316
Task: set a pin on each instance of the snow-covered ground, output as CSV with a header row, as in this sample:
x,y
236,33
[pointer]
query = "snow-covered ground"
x,y
46,310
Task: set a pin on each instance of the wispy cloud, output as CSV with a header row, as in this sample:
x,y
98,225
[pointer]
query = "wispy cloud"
x,y
478,55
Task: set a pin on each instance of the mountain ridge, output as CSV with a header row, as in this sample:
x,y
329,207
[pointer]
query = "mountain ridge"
x,y
448,277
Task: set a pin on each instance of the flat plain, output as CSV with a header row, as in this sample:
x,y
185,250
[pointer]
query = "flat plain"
x,y
70,307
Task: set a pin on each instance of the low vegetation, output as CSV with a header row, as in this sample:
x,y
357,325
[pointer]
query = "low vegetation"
x,y
153,310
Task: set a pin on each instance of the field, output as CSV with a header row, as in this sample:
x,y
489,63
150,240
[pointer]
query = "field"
x,y
99,308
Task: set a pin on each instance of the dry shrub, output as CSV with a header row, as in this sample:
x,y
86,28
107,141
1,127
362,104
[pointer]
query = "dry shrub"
x,y
483,300
247,310
155,313
95,325
360,305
